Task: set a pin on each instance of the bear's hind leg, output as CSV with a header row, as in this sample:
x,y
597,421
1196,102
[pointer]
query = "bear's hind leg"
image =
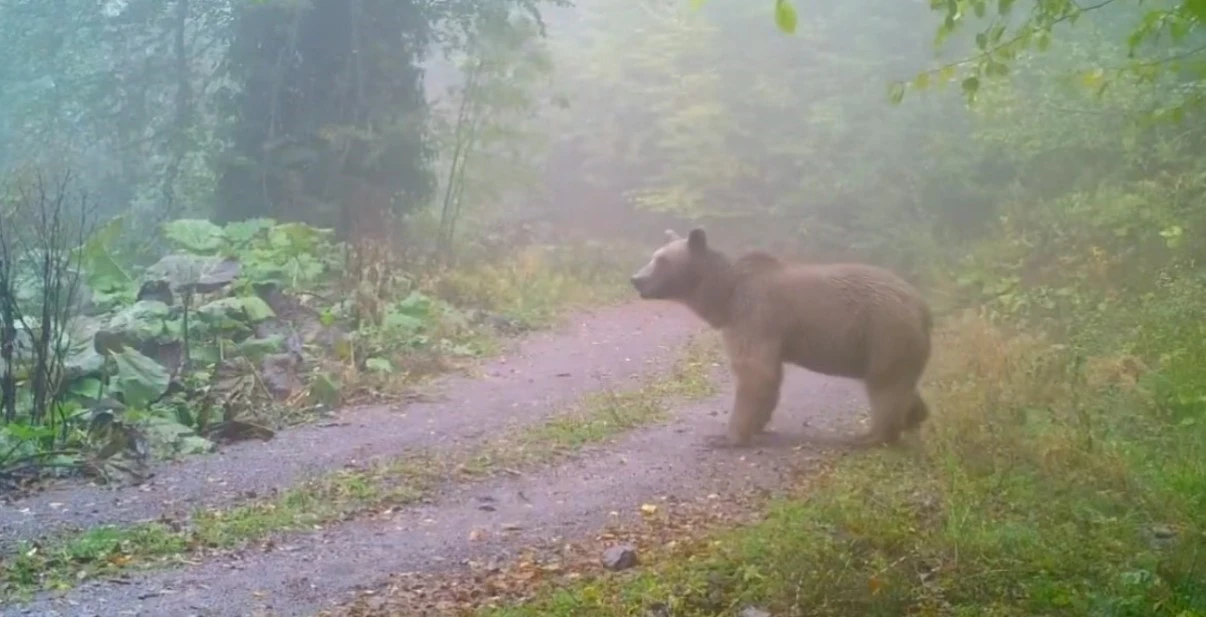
x,y
765,410
918,413
892,406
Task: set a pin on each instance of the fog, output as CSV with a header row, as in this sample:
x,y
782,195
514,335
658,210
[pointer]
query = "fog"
x,y
617,119
222,219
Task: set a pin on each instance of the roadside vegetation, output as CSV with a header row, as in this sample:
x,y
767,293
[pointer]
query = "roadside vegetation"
x,y
225,261
240,330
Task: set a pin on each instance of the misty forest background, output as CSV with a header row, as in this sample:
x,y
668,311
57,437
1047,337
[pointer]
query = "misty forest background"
x,y
222,217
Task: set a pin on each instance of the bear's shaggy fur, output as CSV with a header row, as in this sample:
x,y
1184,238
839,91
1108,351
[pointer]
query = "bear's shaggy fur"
x,y
847,320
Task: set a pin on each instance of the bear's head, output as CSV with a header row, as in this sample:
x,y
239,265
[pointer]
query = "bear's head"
x,y
677,268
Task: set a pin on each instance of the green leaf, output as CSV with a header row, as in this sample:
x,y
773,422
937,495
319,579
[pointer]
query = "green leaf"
x,y
242,232
102,272
86,388
257,309
922,81
194,444
256,348
296,238
195,235
378,365
144,320
195,273
415,304
142,379
175,437
325,390
970,86
896,92
81,358
223,313
1195,8
402,321
785,16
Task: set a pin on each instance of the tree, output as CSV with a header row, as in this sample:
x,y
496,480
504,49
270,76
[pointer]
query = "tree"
x,y
329,111
122,90
486,127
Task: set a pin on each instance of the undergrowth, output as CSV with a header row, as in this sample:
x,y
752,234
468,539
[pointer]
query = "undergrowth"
x,y
1050,481
253,326
539,282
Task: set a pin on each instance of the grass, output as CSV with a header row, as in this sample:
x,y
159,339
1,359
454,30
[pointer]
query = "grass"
x,y
1045,486
106,551
538,284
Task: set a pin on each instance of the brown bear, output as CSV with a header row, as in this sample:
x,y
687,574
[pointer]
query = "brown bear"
x,y
846,320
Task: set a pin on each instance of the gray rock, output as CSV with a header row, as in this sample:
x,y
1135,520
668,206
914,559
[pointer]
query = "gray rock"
x,y
620,557
279,372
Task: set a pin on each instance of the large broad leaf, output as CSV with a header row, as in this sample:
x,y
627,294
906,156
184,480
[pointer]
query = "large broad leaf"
x,y
142,321
81,358
194,273
239,233
195,235
409,315
168,435
252,309
101,270
87,388
257,309
297,237
416,304
256,348
397,320
379,365
142,379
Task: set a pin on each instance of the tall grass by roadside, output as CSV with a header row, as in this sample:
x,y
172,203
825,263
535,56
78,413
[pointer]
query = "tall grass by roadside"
x,y
1050,482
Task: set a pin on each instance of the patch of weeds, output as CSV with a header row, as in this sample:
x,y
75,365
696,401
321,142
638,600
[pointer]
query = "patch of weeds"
x,y
97,552
1036,493
534,285
105,551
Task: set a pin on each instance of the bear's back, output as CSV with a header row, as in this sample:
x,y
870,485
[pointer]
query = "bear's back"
x,y
830,317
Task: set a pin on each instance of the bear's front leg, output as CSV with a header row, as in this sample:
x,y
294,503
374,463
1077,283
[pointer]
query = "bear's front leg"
x,y
759,375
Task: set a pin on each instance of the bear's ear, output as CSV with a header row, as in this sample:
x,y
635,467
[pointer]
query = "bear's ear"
x,y
697,241
672,235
